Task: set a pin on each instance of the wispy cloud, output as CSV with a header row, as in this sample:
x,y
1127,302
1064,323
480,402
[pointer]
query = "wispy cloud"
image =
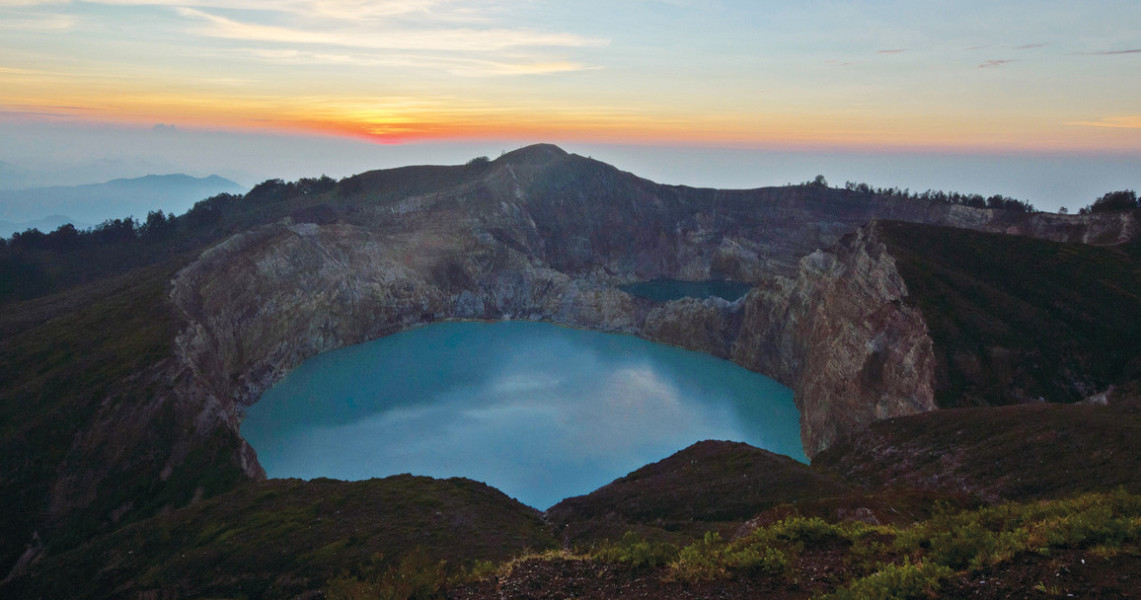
x,y
41,110
1029,46
38,23
354,9
460,66
454,40
995,62
893,51
1112,52
1127,122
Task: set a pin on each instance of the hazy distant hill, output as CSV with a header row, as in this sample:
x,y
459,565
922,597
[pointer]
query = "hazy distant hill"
x,y
46,224
12,176
97,202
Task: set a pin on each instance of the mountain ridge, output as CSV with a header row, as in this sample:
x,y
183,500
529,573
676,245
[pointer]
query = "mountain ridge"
x,y
536,234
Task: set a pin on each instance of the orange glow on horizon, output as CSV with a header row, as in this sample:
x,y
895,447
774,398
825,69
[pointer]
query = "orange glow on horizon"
x,y
410,120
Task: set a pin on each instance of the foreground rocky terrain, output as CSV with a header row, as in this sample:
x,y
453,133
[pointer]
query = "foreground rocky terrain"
x,y
122,396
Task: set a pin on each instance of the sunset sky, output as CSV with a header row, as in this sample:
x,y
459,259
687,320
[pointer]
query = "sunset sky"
x,y
963,76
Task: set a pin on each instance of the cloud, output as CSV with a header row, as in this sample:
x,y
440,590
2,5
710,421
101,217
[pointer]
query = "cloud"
x,y
995,63
452,40
45,110
1029,46
39,23
894,51
1127,122
1112,52
348,9
455,65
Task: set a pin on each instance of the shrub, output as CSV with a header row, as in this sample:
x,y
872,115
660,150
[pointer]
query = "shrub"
x,y
700,561
755,559
415,577
1115,201
711,559
809,530
638,552
895,582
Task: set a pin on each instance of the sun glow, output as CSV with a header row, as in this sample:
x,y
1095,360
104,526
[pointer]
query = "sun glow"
x,y
657,72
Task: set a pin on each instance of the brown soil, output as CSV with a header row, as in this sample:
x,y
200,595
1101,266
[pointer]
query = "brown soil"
x,y
1071,574
559,579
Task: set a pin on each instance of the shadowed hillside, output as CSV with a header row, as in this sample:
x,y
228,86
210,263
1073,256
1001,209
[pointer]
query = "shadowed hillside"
x,y
1016,319
691,491
282,538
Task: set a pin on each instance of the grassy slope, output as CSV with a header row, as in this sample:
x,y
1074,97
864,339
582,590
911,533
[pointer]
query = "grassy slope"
x,y
694,490
279,538
97,318
60,357
1013,452
1015,319
1085,547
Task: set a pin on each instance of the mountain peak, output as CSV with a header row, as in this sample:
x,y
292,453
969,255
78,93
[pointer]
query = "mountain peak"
x,y
535,153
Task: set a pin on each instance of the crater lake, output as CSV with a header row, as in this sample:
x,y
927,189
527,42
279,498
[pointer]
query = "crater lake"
x,y
539,411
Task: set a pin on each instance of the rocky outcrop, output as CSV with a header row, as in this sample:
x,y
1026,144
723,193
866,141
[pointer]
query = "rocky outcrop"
x,y
262,302
544,235
1100,229
842,337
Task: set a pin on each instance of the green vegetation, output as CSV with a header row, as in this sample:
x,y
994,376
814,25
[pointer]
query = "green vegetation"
x,y
1025,452
996,201
416,576
636,552
60,360
1017,319
279,538
895,562
708,483
1113,202
710,559
895,582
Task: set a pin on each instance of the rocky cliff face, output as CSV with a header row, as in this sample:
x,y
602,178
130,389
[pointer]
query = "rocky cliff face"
x,y
264,301
545,235
842,337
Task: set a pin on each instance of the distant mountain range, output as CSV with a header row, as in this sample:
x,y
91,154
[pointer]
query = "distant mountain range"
x,y
115,199
47,224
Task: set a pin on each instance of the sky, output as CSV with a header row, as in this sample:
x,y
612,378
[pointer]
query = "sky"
x,y
263,88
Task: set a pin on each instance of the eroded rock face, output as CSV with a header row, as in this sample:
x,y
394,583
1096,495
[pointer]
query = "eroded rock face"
x,y
547,236
263,302
842,337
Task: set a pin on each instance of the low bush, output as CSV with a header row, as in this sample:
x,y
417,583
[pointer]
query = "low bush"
x,y
637,552
895,582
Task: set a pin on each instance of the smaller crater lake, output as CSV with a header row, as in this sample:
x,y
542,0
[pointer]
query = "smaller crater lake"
x,y
668,290
539,411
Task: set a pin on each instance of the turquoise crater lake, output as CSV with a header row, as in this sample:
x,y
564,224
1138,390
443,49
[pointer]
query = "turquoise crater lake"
x,y
538,411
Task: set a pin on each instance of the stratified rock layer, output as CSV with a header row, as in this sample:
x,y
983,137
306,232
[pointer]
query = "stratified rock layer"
x,y
842,337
